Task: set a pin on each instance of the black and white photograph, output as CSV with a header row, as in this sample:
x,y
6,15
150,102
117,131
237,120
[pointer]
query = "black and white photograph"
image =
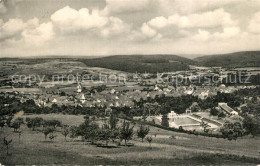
x,y
130,82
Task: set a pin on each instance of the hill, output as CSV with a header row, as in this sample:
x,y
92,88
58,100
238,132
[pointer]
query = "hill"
x,y
141,63
237,59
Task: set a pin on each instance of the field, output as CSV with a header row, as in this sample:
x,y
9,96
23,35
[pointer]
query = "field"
x,y
183,149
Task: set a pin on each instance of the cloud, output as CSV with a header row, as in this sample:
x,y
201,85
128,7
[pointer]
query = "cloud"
x,y
209,19
254,24
192,6
148,31
16,31
11,28
115,27
139,26
122,6
226,34
182,26
39,34
3,8
69,20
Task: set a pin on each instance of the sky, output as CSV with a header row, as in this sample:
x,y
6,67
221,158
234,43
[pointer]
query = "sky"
x,y
112,27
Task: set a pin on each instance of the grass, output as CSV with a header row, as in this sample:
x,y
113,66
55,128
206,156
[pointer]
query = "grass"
x,y
72,120
183,150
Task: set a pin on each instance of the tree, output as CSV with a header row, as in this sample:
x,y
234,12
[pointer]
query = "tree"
x,y
221,115
205,126
16,125
52,136
126,132
252,125
114,134
149,140
232,130
214,112
47,130
142,132
104,134
7,142
2,122
52,123
63,93
34,122
113,121
74,131
19,136
92,132
65,132
165,120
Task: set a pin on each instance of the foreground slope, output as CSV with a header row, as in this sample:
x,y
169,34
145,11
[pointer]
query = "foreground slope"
x,y
141,63
237,59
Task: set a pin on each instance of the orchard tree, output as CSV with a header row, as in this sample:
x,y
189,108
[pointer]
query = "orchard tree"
x,y
142,132
47,130
112,121
65,131
7,143
126,132
92,132
74,131
104,135
16,125
52,136
149,140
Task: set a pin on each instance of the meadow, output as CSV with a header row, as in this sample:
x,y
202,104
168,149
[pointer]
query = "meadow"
x,y
167,146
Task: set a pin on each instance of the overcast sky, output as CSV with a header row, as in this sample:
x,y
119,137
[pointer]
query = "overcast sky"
x,y
108,27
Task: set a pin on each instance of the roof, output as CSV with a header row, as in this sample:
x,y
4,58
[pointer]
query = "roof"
x,y
225,107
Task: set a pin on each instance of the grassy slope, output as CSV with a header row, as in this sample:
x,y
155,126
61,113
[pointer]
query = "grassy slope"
x,y
185,149
141,63
237,59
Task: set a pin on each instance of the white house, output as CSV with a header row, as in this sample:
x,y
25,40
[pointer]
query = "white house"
x,y
171,114
79,88
54,100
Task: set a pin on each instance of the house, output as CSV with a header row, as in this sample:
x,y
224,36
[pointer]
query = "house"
x,y
171,114
224,107
156,88
194,107
79,88
81,97
112,91
54,100
203,95
189,91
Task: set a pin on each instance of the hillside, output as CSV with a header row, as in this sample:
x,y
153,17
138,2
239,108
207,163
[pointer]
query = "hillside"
x,y
237,59
141,63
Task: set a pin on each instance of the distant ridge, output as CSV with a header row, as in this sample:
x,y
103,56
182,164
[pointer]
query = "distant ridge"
x,y
236,59
141,63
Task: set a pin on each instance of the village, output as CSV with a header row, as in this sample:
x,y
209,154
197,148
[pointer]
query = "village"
x,y
43,101
127,89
